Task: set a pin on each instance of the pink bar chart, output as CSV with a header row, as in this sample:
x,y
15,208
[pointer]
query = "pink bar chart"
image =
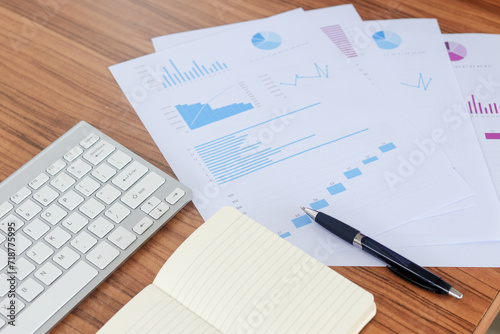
x,y
476,107
492,135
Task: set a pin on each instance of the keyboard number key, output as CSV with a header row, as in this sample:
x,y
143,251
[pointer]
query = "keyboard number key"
x,y
102,255
62,182
46,195
28,210
79,168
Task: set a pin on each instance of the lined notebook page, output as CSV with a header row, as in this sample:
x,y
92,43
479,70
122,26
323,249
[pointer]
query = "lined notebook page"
x,y
152,311
240,277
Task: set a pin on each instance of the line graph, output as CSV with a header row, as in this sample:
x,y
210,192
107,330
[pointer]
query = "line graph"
x,y
320,73
421,83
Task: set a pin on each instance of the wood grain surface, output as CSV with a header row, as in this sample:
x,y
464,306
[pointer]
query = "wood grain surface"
x,y
54,72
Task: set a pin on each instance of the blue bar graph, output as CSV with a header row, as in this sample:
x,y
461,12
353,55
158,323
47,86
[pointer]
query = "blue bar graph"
x,y
198,115
336,189
190,73
372,159
352,173
387,147
318,205
301,221
285,235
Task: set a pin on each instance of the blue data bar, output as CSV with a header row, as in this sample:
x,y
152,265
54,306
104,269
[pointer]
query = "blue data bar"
x,y
301,221
285,235
372,159
387,147
336,188
352,173
318,205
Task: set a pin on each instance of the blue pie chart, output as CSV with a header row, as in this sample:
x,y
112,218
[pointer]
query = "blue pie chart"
x,y
266,40
387,40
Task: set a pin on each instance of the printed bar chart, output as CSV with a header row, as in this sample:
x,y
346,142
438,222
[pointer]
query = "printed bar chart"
x,y
387,147
369,160
336,189
318,205
336,34
492,135
176,76
476,108
353,173
285,235
301,221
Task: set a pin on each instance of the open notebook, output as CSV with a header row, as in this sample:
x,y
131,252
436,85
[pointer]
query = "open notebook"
x,y
234,276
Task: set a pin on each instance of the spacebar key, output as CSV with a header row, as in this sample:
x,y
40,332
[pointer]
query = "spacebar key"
x,y
57,295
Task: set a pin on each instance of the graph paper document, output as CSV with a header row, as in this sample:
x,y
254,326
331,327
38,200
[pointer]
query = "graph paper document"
x,y
271,116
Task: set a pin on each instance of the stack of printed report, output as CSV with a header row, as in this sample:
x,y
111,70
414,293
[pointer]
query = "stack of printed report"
x,y
387,125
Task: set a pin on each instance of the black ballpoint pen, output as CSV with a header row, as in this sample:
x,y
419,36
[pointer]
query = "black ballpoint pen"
x,y
398,264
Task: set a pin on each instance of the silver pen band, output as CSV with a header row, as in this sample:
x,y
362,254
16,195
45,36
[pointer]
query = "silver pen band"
x,y
357,240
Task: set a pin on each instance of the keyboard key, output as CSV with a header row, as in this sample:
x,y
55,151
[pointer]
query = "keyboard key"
x,y
36,229
87,186
56,167
71,200
29,290
90,140
51,300
75,222
150,204
117,212
142,225
53,214
142,190
175,196
159,211
66,257
3,259
24,268
73,154
40,252
57,237
122,238
48,273
119,159
103,173
62,182
11,221
5,208
92,208
79,168
20,195
99,152
28,210
38,181
83,242
103,254
100,227
130,175
46,195
108,194
4,305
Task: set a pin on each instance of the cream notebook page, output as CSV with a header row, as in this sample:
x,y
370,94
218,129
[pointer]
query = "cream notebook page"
x,y
240,277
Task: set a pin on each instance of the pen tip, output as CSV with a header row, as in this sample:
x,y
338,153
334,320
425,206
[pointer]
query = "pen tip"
x,y
455,293
302,208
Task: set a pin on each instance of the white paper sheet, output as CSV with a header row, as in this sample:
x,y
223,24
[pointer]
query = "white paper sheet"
x,y
299,125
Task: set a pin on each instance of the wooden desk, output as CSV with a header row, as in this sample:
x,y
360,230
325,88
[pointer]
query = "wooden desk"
x,y
54,72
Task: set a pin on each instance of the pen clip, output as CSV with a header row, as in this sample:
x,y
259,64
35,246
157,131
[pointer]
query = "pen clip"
x,y
416,280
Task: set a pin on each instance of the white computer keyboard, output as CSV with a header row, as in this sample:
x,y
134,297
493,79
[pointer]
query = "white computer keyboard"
x,y
69,218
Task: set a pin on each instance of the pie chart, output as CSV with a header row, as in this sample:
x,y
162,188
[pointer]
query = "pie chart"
x,y
387,40
456,51
266,40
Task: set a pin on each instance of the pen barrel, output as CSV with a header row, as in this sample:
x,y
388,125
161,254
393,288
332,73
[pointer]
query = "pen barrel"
x,y
404,267
337,227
